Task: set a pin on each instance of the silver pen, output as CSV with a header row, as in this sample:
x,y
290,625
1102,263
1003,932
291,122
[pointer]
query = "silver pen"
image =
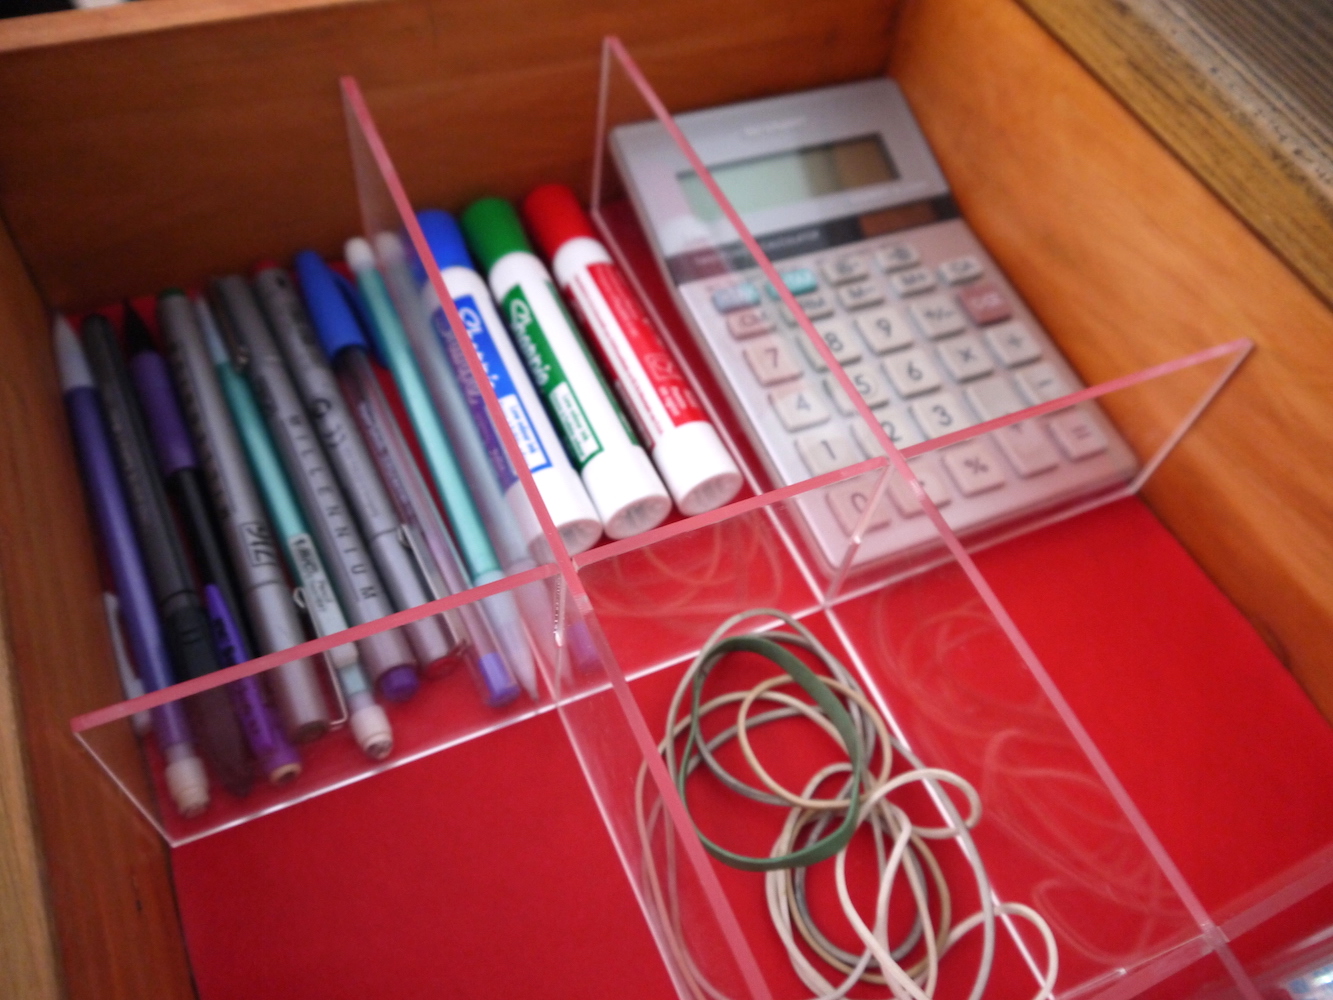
x,y
435,640
241,517
387,657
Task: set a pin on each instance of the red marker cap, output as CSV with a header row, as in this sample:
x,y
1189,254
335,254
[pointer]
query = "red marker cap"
x,y
554,217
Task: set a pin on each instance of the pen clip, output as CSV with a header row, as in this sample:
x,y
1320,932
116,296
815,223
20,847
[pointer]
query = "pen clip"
x,y
429,575
356,305
240,357
298,598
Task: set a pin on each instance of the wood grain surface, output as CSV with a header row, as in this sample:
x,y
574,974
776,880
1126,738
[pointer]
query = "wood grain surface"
x,y
1240,90
224,139
1130,260
110,894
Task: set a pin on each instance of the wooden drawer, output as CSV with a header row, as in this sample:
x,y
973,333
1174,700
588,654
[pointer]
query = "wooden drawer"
x,y
153,144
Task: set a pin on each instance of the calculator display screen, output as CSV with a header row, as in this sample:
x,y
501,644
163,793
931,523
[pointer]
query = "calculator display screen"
x,y
791,176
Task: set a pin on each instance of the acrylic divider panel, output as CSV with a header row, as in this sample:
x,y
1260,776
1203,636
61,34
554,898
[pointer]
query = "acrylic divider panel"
x,y
328,754
1152,431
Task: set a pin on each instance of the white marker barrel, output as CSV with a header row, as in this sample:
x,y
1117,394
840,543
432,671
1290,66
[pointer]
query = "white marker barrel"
x,y
561,489
624,486
696,466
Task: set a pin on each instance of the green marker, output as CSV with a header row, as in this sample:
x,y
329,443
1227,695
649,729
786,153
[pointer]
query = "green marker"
x,y
620,478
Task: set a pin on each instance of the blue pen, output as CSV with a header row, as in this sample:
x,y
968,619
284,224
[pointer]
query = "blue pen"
x,y
462,511
333,302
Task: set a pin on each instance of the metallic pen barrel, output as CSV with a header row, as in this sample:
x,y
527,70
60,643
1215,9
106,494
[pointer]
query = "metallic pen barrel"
x,y
254,555
387,657
439,638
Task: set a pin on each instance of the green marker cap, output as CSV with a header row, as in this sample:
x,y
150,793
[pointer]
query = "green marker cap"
x,y
492,229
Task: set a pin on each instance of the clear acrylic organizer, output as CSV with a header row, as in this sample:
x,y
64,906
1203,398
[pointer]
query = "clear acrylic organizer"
x,y
925,634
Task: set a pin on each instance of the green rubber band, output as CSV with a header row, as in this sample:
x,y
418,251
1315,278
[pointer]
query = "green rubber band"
x,y
814,686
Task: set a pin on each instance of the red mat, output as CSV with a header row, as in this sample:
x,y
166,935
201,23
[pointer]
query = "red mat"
x,y
486,871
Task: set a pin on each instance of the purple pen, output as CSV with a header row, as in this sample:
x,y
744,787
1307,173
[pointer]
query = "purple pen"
x,y
184,775
180,469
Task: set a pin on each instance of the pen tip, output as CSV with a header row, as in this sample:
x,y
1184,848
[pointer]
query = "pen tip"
x,y
360,257
137,337
70,359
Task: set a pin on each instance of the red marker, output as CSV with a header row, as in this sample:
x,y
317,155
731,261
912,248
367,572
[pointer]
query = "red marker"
x,y
695,466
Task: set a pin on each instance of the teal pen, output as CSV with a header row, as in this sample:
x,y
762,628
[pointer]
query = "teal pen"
x,y
367,719
465,519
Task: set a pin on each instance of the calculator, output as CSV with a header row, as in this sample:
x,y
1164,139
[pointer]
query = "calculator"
x,y
843,194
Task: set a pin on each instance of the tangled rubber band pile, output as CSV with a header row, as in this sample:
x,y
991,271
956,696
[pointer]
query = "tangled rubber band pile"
x,y
821,827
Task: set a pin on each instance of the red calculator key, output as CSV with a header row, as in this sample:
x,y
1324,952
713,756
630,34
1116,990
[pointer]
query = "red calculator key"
x,y
985,303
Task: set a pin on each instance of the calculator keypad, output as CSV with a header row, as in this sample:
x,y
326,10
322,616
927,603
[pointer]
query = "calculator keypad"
x,y
934,341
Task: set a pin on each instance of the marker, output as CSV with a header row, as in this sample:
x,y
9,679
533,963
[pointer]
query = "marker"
x,y
185,623
179,467
141,722
619,476
562,491
368,721
438,640
343,339
386,655
481,456
184,774
685,447
462,512
240,516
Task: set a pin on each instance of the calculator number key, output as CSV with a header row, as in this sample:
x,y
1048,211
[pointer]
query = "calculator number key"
x,y
860,296
912,373
937,316
914,282
940,415
974,468
900,430
896,258
1077,435
849,502
840,270
884,330
751,322
771,362
965,358
1013,343
825,451
799,406
960,270
868,383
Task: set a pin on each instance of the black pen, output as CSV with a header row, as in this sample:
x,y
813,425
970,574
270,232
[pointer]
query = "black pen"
x,y
185,623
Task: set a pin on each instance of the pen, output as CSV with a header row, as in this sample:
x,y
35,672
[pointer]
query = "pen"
x,y
130,683
343,340
184,622
436,640
461,408
368,721
184,773
179,467
386,656
241,517
458,503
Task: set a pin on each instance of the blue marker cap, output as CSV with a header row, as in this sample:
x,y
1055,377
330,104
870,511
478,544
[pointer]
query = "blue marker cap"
x,y
332,304
445,239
